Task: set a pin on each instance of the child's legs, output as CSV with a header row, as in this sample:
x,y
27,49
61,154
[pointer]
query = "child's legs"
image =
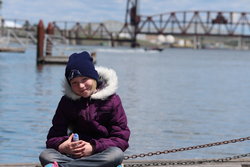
x,y
50,155
110,157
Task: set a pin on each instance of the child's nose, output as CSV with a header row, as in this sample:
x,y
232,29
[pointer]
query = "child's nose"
x,y
82,85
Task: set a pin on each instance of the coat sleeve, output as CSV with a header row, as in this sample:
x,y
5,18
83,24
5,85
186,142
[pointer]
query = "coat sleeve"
x,y
58,132
119,131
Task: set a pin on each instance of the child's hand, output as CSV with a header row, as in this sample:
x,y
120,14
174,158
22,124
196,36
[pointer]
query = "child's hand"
x,y
66,146
88,149
77,149
82,149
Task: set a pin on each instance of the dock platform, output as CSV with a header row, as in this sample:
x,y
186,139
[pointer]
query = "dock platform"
x,y
55,60
12,49
60,59
243,162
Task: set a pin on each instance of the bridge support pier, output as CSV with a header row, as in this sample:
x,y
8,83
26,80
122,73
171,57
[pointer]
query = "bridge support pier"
x,y
240,43
197,42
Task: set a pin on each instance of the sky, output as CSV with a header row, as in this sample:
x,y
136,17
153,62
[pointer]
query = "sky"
x,y
103,10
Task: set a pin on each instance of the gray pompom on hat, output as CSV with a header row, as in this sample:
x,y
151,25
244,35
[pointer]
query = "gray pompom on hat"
x,y
80,64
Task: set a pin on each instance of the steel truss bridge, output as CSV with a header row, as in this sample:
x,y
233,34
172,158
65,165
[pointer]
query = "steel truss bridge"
x,y
182,23
208,23
185,23
194,24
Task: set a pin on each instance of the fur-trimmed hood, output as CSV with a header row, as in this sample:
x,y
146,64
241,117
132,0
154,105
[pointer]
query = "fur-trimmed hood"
x,y
108,87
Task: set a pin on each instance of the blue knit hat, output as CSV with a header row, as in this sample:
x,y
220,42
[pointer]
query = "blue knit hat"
x,y
80,64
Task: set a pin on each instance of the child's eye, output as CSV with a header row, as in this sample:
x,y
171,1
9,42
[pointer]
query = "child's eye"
x,y
73,83
84,80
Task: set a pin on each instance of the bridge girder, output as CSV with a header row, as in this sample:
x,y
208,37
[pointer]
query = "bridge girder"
x,y
214,23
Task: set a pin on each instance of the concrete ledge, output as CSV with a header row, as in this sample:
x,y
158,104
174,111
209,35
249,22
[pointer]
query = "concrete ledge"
x,y
243,162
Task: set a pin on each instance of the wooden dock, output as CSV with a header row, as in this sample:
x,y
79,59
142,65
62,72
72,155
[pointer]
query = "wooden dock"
x,y
243,162
12,49
59,59
55,60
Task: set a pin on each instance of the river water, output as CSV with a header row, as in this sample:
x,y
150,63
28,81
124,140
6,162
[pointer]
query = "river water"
x,y
175,98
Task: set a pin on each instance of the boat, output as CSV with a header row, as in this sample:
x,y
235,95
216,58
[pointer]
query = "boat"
x,y
154,49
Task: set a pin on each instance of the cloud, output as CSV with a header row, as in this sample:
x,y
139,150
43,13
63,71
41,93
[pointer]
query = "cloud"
x,y
74,10
101,10
149,7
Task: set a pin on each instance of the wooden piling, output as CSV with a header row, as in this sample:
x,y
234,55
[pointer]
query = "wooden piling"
x,y
40,41
49,31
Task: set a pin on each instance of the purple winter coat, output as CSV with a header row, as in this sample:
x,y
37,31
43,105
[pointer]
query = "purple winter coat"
x,y
100,119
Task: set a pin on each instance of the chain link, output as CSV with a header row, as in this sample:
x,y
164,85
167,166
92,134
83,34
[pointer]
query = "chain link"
x,y
187,148
187,162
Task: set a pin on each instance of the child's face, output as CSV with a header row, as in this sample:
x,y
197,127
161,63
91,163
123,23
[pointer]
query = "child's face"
x,y
83,86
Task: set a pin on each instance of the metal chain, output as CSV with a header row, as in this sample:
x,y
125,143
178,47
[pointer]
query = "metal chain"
x,y
186,148
187,162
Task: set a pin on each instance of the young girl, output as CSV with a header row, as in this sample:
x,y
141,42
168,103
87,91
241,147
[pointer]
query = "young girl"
x,y
92,109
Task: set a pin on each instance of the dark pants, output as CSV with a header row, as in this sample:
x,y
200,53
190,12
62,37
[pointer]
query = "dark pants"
x,y
110,157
